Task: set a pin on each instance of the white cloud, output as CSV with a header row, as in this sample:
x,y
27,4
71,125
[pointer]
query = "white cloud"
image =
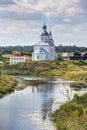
x,y
67,20
80,28
47,7
23,19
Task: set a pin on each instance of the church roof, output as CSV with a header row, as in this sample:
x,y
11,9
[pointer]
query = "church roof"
x,y
41,51
45,33
42,43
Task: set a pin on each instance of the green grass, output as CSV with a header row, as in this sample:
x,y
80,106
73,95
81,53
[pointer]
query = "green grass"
x,y
7,85
1,63
6,55
72,70
73,115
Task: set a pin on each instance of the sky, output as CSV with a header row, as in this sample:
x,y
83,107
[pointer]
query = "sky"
x,y
21,21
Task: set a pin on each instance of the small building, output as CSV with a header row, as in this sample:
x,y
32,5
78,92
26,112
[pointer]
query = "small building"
x,y
19,57
65,56
85,56
79,56
45,49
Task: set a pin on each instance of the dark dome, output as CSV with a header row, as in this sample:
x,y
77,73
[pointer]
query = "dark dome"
x,y
44,26
45,33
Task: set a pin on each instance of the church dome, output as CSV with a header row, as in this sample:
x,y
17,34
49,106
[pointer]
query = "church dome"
x,y
45,33
44,26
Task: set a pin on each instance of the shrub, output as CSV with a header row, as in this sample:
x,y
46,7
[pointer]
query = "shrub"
x,y
85,111
7,85
72,109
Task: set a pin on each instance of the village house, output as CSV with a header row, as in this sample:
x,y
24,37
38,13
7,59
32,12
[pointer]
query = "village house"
x,y
74,56
79,56
66,56
19,57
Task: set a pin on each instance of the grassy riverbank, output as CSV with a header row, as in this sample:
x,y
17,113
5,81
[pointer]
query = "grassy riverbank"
x,y
73,115
7,85
72,70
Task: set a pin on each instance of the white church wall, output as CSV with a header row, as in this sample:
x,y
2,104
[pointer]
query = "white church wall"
x,y
39,57
52,49
52,56
44,38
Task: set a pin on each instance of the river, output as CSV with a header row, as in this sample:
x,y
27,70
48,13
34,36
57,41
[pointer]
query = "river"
x,y
30,108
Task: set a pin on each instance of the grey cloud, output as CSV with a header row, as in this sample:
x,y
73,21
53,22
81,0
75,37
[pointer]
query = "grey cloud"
x,y
21,16
6,2
40,15
9,2
83,4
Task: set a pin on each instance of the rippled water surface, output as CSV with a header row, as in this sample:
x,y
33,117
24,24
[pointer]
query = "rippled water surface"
x,y
30,109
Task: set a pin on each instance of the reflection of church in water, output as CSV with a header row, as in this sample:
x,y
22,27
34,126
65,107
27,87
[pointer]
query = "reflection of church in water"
x,y
46,97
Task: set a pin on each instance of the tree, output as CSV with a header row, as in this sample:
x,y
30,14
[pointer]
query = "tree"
x,y
67,92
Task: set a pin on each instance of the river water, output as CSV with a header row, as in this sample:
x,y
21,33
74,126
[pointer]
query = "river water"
x,y
30,108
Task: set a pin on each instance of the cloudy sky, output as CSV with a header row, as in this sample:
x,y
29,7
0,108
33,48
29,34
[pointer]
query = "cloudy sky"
x,y
21,21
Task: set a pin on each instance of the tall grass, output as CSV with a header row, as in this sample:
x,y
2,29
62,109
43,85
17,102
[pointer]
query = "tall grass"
x,y
7,85
73,115
73,70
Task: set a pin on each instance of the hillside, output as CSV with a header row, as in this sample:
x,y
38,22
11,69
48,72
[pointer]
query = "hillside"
x,y
72,70
7,85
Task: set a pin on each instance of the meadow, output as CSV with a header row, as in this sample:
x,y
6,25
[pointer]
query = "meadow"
x,y
71,70
72,115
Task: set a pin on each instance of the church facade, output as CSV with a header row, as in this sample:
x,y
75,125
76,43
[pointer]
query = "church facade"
x,y
45,49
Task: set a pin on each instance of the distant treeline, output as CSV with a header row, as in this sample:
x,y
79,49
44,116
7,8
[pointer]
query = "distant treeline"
x,y
60,48
10,49
74,48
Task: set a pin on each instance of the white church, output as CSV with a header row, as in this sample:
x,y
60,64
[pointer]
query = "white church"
x,y
45,49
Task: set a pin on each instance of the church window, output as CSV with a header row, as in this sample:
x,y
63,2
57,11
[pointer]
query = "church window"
x,y
37,57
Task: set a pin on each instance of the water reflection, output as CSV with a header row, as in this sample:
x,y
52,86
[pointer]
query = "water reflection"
x,y
29,109
46,97
47,103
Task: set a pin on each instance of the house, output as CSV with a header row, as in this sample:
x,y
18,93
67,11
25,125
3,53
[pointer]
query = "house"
x,y
45,49
19,57
79,56
65,56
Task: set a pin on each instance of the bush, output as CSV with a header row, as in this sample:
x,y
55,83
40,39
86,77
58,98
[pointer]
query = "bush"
x,y
85,111
72,109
